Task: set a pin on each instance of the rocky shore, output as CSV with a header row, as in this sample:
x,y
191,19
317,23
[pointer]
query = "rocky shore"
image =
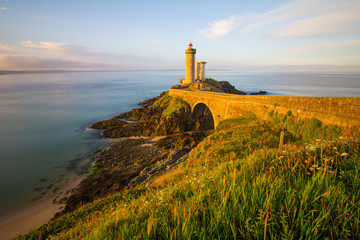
x,y
149,141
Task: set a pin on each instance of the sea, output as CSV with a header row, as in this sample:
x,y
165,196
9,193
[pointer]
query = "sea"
x,y
45,117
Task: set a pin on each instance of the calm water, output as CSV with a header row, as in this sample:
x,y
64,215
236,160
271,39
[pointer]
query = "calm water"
x,y
44,117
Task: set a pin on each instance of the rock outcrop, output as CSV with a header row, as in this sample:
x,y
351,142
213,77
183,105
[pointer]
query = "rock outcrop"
x,y
212,85
158,116
228,88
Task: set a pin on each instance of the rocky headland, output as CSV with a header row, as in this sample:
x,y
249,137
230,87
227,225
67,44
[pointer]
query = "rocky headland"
x,y
212,85
148,141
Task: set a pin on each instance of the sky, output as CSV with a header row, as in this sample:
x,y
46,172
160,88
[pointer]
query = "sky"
x,y
267,35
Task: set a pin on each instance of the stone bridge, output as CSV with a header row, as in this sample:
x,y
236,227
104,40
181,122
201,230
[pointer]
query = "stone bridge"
x,y
342,111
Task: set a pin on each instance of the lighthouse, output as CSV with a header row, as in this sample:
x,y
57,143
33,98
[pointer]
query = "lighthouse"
x,y
192,73
190,65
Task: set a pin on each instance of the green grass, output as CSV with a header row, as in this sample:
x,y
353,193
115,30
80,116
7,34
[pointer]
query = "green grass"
x,y
171,105
96,169
237,184
308,130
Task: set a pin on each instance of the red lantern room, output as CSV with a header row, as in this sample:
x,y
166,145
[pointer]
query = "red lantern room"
x,y
190,47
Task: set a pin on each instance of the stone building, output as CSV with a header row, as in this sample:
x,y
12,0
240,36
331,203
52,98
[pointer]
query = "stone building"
x,y
200,71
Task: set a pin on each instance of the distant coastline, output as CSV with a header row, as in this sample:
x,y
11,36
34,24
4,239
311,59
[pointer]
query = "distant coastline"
x,y
5,72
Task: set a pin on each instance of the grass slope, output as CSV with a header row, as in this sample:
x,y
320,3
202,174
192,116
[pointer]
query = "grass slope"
x,y
237,184
171,105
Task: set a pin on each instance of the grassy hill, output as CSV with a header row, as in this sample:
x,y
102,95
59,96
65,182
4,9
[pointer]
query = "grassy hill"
x,y
238,184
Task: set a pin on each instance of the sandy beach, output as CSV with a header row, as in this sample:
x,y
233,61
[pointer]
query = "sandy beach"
x,y
21,222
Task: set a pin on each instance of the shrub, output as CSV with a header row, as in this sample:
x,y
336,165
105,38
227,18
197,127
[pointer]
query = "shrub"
x,y
271,113
251,115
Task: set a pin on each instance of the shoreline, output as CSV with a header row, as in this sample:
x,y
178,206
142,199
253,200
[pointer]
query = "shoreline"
x,y
22,221
32,216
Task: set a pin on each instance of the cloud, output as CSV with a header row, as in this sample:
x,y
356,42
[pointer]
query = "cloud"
x,y
297,19
330,23
66,56
26,62
7,48
4,8
351,44
154,41
222,27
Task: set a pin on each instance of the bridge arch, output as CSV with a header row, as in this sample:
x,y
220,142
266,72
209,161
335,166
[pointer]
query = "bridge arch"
x,y
202,116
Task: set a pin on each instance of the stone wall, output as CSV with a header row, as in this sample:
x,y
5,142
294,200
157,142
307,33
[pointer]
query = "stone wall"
x,y
342,111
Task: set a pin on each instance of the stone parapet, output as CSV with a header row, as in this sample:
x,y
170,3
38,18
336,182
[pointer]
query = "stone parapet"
x,y
342,111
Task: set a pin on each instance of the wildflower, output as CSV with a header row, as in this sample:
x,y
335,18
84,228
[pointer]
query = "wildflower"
x,y
344,154
335,148
308,173
320,169
312,169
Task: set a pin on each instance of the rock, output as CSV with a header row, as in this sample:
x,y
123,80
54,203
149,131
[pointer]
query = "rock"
x,y
120,163
151,100
258,93
111,123
159,167
148,120
228,88
204,86
212,85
